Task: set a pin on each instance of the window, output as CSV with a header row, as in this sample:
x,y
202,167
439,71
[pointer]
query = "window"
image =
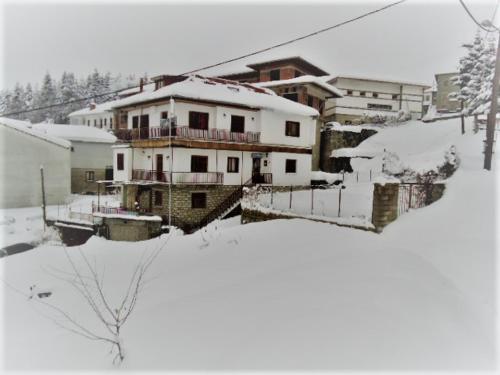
x,y
349,92
198,200
310,100
233,165
88,122
237,124
292,129
394,96
375,94
199,163
291,166
164,115
105,122
292,96
144,121
274,75
135,122
111,122
380,106
89,175
124,120
100,123
157,198
95,123
362,93
119,162
198,120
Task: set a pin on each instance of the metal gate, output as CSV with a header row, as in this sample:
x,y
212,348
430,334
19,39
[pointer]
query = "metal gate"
x,y
411,195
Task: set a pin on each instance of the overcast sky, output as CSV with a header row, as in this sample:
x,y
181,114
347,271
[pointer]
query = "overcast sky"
x,y
411,41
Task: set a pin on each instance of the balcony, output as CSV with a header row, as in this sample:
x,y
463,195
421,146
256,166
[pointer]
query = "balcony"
x,y
185,132
212,178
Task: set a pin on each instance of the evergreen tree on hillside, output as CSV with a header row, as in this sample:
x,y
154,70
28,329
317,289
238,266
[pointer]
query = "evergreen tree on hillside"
x,y
67,92
46,97
476,70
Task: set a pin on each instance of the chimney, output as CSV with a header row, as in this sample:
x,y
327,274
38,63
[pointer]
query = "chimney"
x,y
141,84
92,105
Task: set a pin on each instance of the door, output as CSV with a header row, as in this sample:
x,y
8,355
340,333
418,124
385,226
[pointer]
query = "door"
x,y
256,176
159,168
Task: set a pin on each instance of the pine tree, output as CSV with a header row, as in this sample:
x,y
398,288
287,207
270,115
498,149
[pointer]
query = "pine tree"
x,y
46,97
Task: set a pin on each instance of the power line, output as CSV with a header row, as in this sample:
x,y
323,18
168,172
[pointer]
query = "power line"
x,y
299,38
474,19
222,62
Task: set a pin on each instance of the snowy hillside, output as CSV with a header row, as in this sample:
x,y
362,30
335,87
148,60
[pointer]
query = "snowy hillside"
x,y
287,294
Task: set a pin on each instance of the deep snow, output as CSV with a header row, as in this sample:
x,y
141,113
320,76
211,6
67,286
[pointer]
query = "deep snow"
x,y
287,294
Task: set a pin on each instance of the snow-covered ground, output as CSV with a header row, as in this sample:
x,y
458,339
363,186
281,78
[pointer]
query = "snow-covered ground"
x,y
286,294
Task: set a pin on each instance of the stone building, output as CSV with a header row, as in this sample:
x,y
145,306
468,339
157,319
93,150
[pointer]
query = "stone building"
x,y
202,140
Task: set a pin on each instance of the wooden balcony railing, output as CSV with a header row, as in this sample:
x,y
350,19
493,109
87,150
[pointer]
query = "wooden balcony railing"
x,y
185,132
179,177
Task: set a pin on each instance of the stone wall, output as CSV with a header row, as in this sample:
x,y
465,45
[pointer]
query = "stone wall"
x,y
385,204
334,140
181,200
131,230
79,183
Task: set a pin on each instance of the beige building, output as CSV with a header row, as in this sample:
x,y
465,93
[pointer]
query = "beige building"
x,y
445,87
363,96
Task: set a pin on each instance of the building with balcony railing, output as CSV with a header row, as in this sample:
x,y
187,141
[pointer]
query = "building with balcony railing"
x,y
203,139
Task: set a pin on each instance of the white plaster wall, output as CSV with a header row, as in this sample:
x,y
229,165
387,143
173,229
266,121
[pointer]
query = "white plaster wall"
x,y
91,155
273,129
83,120
22,154
301,177
126,174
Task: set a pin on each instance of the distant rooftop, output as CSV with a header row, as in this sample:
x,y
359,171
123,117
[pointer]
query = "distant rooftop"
x,y
333,78
296,60
317,81
78,133
25,127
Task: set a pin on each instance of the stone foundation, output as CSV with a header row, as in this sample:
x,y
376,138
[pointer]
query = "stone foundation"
x,y
118,229
79,183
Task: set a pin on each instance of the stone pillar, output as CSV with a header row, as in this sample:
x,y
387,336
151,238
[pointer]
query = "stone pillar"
x,y
385,205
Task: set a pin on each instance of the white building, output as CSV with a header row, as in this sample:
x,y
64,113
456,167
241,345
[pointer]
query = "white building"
x,y
101,115
23,151
91,154
370,96
227,135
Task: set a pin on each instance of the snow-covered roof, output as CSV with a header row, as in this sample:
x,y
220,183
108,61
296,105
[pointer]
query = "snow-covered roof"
x,y
79,133
25,127
98,109
376,79
346,128
135,90
223,91
318,81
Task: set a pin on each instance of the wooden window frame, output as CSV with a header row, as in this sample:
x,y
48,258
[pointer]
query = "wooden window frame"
x,y
292,129
197,167
233,164
195,120
135,122
199,200
120,161
291,166
233,124
89,176
273,71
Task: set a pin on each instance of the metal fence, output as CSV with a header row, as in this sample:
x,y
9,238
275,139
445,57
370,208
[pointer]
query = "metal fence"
x,y
411,195
322,201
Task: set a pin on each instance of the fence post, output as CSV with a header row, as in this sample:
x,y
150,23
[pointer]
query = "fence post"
x,y
343,172
370,175
312,201
291,189
272,196
409,200
357,176
340,199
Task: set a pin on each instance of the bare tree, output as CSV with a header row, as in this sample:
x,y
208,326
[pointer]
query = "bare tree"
x,y
90,286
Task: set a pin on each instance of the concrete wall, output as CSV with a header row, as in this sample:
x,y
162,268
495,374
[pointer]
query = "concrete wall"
x,y
22,156
131,230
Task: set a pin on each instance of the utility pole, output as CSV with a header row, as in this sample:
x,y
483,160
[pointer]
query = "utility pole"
x,y
462,117
43,198
490,128
171,121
